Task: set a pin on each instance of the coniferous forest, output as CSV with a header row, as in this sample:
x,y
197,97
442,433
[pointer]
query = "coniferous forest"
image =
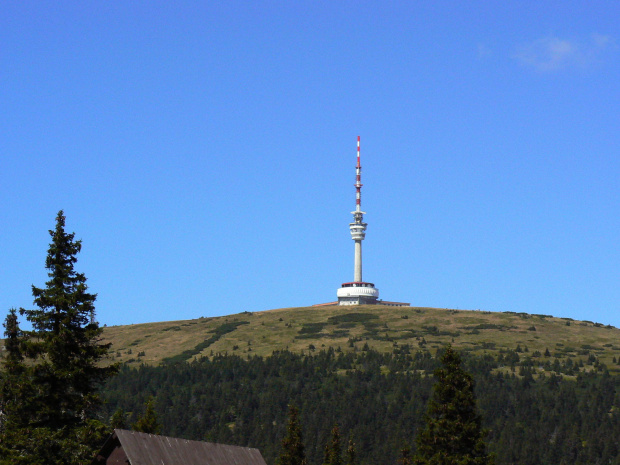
x,y
378,401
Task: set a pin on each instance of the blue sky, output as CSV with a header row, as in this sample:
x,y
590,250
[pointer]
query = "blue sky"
x,y
204,152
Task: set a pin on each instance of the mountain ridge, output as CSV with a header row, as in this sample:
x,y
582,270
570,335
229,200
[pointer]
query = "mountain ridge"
x,y
386,329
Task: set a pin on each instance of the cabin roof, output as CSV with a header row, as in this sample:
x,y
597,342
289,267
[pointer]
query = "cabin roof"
x,y
147,449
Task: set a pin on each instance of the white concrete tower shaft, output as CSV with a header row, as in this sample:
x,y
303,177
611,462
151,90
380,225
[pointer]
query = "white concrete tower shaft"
x,y
358,227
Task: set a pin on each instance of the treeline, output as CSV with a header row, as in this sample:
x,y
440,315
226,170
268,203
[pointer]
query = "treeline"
x,y
378,401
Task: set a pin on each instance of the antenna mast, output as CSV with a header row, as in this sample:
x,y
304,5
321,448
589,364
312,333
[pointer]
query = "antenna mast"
x,y
358,227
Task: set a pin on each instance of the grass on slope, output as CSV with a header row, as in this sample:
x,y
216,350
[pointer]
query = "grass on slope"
x,y
351,328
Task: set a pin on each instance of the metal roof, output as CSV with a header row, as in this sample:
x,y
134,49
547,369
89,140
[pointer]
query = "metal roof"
x,y
151,449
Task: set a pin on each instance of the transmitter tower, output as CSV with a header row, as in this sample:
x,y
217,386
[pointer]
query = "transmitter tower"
x,y
358,292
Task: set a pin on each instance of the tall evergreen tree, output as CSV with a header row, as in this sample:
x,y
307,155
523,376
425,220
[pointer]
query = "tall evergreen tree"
x,y
13,379
16,390
56,422
333,449
351,453
118,420
453,434
326,454
148,422
336,449
292,444
405,456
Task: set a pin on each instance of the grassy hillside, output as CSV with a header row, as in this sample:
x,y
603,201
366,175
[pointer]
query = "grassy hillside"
x,y
351,328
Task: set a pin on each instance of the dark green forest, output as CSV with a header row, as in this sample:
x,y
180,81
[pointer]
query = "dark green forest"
x,y
553,414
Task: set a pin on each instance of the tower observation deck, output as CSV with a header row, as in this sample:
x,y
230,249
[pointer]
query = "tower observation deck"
x,y
358,292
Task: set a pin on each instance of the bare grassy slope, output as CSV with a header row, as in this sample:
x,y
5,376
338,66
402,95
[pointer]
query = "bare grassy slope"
x,y
350,328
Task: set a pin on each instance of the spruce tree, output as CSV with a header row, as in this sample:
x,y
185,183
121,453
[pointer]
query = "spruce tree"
x,y
453,434
326,454
405,456
333,450
351,453
148,422
336,449
292,444
63,368
13,381
118,420
16,392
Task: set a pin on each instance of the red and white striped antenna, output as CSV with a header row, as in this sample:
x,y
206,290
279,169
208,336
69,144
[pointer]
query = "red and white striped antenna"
x,y
358,179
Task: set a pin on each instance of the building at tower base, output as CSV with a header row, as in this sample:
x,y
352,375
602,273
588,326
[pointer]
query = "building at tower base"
x,y
357,294
385,303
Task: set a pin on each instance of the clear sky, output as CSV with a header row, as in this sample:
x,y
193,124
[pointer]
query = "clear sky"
x,y
205,152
